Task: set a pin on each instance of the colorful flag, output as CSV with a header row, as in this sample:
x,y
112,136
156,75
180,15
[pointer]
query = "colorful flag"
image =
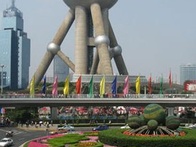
x,y
102,86
44,86
126,86
114,86
137,85
32,87
78,85
66,86
55,87
170,80
90,88
161,85
150,85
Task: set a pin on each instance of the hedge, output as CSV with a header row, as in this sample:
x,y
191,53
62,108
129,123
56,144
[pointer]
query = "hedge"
x,y
115,137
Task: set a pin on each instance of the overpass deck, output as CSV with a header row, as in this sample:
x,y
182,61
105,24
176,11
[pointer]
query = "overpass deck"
x,y
56,102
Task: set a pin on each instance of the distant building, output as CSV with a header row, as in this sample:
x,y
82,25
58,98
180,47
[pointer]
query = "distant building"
x,y
108,78
61,70
14,49
187,72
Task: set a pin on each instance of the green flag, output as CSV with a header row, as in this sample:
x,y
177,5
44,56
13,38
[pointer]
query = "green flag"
x,y
161,85
91,87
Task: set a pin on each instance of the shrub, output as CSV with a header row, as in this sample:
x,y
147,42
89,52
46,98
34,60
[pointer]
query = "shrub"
x,y
172,122
152,124
116,137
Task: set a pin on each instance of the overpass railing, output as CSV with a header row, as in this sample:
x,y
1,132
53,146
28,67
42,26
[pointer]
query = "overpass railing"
x,y
98,96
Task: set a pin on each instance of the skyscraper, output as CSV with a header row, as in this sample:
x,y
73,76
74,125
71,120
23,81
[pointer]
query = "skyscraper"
x,y
61,70
15,49
187,72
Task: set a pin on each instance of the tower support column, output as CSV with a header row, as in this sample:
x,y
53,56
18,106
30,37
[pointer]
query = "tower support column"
x,y
101,40
57,40
80,40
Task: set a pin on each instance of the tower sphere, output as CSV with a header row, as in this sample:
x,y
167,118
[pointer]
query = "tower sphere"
x,y
53,48
117,50
87,3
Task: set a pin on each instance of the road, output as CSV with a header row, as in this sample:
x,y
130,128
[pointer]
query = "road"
x,y
21,136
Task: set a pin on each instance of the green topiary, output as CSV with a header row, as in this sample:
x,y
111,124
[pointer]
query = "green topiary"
x,y
134,122
152,125
143,121
172,122
154,111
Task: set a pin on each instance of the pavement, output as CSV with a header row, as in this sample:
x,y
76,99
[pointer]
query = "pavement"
x,y
39,128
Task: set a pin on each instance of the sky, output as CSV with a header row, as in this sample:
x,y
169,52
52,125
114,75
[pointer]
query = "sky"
x,y
156,36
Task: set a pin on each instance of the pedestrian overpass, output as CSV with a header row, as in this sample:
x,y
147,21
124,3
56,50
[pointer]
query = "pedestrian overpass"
x,y
167,101
56,102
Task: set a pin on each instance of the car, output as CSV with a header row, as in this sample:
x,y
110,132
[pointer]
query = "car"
x,y
62,131
125,127
53,132
2,125
101,128
5,142
66,127
9,134
190,126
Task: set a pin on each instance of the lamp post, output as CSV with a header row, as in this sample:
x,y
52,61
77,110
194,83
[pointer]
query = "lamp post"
x,y
2,66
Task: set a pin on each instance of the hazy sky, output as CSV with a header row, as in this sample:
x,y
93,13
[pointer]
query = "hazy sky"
x,y
155,35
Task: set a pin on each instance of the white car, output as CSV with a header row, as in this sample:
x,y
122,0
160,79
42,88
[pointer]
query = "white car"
x,y
125,127
5,142
66,127
190,126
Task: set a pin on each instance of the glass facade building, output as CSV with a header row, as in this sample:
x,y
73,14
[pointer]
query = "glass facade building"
x,y
15,49
61,70
187,72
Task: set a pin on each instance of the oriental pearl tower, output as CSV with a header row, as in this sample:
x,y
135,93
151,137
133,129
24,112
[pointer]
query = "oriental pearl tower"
x,y
95,41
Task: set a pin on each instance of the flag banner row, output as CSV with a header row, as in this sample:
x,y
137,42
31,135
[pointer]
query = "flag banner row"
x,y
102,86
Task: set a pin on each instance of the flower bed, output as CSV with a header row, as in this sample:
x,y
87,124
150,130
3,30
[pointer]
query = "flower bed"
x,y
36,144
128,133
86,144
42,141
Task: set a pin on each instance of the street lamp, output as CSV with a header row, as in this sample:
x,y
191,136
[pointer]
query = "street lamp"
x,y
2,66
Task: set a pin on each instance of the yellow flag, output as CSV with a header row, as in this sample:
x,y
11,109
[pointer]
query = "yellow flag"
x,y
102,86
32,87
137,85
66,87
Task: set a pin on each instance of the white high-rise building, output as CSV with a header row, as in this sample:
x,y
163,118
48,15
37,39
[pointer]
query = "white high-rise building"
x,y
187,72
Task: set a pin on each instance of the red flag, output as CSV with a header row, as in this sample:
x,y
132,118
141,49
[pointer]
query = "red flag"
x,y
78,85
150,85
55,87
170,80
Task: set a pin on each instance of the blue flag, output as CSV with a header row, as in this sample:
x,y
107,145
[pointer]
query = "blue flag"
x,y
114,88
44,86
